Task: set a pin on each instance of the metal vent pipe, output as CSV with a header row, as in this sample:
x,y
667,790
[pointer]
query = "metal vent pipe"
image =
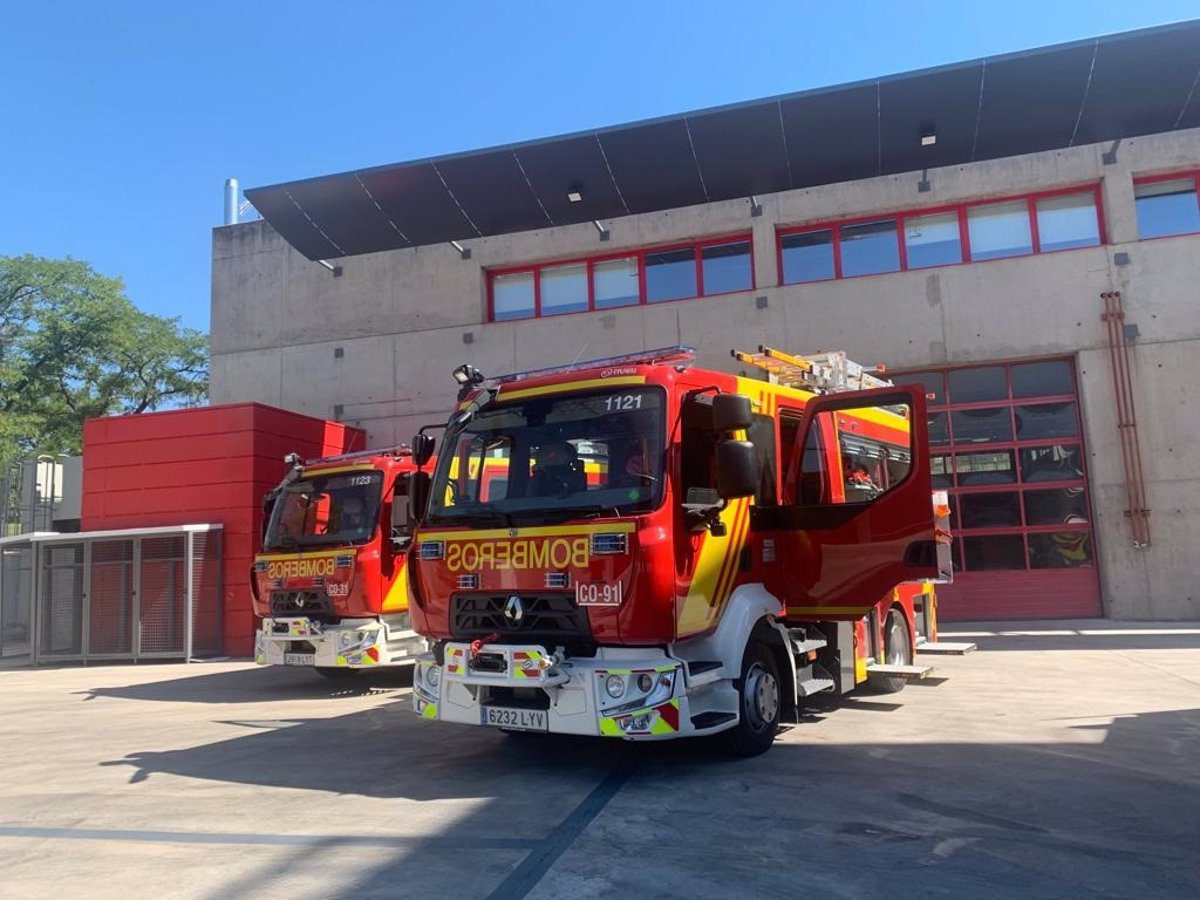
x,y
231,201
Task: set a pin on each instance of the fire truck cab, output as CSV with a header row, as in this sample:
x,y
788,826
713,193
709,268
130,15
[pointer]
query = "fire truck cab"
x,y
331,582
638,548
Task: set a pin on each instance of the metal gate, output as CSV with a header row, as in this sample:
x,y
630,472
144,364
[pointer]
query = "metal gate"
x,y
141,593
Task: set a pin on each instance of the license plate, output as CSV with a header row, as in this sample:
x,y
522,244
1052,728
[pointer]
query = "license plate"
x,y
519,719
299,659
598,593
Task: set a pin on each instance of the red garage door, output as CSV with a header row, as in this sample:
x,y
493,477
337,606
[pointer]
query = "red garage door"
x,y
1008,444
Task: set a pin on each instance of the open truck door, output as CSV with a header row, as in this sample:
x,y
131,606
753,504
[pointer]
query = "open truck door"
x,y
855,520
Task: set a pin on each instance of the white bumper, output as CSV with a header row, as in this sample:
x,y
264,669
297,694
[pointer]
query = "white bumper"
x,y
352,643
572,692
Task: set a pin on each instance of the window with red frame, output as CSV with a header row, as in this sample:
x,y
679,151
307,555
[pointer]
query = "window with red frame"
x,y
653,275
1167,205
922,239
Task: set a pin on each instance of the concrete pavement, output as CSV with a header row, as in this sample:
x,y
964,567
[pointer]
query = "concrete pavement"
x,y
1060,760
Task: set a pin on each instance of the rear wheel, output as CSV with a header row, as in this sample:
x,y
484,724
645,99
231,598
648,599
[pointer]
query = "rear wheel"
x,y
897,651
338,673
760,699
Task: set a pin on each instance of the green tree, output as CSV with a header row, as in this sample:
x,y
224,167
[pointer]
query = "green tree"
x,y
73,346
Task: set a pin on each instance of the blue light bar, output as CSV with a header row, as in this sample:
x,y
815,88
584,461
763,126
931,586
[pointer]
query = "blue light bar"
x,y
678,355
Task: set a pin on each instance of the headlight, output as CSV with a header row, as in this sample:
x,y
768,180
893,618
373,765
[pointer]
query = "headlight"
x,y
433,676
614,686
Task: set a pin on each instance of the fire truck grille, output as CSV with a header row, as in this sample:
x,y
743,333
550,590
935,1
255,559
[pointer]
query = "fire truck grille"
x,y
301,603
544,618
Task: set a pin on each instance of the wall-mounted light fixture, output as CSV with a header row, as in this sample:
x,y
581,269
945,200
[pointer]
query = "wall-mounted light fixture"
x,y
464,252
336,270
755,207
600,228
574,194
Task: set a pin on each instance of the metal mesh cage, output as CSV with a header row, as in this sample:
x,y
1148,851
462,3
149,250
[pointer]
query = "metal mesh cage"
x,y
16,599
115,595
62,608
111,598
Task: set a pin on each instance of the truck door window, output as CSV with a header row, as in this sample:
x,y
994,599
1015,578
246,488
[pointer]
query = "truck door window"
x,y
854,455
762,435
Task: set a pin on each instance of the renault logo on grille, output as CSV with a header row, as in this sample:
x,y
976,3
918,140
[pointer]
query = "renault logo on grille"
x,y
514,610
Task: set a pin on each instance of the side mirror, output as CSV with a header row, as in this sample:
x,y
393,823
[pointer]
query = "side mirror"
x,y
418,496
731,412
402,523
737,469
422,448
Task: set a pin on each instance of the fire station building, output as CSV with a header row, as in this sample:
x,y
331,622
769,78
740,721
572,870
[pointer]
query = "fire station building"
x,y
1021,234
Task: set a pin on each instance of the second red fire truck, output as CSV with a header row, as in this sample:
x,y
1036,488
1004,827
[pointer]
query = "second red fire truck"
x,y
640,548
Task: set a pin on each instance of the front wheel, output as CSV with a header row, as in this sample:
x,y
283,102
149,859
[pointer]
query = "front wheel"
x,y
760,702
897,651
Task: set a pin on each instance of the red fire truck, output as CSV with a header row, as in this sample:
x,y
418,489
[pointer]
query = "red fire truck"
x,y
663,551
331,584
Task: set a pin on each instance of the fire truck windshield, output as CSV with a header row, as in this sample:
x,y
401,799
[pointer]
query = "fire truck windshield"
x,y
572,454
325,511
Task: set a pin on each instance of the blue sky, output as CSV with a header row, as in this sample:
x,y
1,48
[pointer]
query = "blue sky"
x,y
122,120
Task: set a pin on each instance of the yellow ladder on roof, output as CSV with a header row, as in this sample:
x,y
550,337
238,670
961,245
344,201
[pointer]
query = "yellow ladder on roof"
x,y
820,372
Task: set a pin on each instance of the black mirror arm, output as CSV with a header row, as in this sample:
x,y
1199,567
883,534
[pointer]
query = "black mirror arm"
x,y
698,516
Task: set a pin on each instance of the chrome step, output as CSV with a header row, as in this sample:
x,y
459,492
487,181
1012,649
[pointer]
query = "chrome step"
x,y
802,644
812,686
947,648
912,673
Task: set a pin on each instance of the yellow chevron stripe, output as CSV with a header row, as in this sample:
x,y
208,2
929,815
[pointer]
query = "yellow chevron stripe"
x,y
829,610
397,595
338,470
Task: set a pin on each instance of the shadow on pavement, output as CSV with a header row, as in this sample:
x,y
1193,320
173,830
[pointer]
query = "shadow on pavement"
x,y
1114,817
256,685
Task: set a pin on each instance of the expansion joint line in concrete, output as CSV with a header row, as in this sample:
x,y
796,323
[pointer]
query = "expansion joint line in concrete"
x,y
525,877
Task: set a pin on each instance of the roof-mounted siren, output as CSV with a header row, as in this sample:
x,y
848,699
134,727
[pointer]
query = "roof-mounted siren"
x,y
231,201
827,372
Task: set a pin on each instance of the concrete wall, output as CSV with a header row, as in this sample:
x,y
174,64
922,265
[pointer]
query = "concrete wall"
x,y
403,319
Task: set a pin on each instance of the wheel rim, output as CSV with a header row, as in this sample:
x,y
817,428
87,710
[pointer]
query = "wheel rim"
x,y
897,642
761,698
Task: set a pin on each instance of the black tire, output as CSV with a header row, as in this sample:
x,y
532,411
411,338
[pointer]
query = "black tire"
x,y
760,699
897,651
337,673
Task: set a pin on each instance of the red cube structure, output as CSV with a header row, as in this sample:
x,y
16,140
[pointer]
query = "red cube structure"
x,y
211,464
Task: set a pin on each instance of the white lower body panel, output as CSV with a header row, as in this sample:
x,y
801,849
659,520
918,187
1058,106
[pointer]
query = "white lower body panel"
x,y
350,644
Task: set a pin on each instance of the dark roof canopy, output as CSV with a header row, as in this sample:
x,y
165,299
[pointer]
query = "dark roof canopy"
x,y
1138,82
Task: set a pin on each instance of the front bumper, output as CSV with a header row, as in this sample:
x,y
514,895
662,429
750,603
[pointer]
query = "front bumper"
x,y
350,644
571,691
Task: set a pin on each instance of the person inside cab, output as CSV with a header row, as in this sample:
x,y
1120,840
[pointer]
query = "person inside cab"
x,y
859,482
637,472
557,470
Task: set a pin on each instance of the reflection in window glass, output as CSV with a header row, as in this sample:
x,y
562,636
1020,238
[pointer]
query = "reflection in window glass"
x,y
1058,462
985,468
807,256
975,426
999,229
973,385
671,275
938,434
726,268
870,248
1068,221
564,289
933,382
1042,379
1058,506
996,551
1060,550
616,282
940,467
512,296
1046,420
932,240
990,510
1166,207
